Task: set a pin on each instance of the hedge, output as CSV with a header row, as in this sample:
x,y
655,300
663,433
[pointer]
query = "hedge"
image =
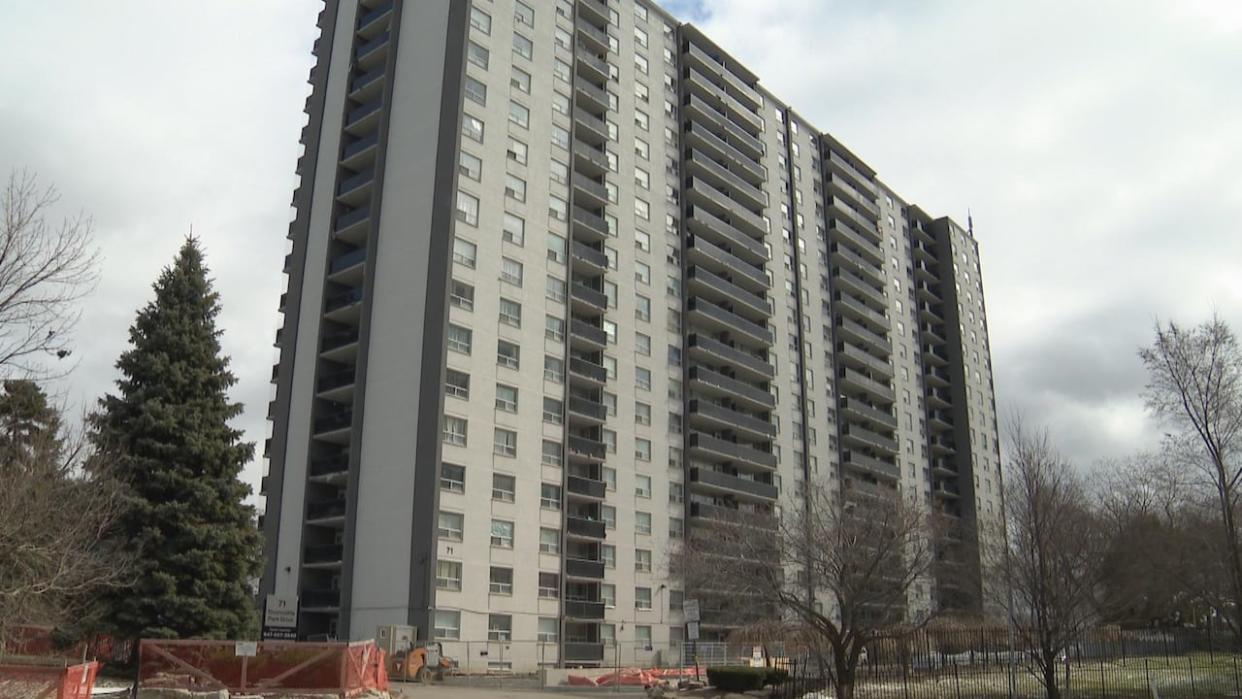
x,y
742,678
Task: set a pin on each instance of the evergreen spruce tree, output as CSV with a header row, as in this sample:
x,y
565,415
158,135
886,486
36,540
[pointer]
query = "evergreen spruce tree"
x,y
167,430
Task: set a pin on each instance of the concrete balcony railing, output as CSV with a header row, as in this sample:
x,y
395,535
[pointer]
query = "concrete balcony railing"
x,y
720,352
734,484
725,450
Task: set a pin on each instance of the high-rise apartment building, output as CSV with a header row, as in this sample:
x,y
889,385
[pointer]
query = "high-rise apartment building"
x,y
565,282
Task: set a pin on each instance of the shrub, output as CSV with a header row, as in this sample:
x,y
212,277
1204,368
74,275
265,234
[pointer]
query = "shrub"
x,y
743,679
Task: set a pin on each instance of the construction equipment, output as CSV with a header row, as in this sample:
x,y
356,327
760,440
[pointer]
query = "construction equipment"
x,y
422,663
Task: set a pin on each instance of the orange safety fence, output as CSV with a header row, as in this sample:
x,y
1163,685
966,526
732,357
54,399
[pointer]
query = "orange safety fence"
x,y
635,677
47,681
40,642
345,669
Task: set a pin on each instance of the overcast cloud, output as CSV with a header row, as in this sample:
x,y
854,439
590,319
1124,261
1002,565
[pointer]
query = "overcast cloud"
x,y
1098,145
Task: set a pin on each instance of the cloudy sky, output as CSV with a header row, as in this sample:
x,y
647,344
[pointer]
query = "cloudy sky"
x,y
1098,145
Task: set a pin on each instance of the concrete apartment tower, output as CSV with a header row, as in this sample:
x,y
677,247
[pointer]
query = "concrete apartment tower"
x,y
565,282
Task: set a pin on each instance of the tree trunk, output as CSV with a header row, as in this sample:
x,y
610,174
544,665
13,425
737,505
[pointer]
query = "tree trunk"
x,y
1231,540
844,688
1051,687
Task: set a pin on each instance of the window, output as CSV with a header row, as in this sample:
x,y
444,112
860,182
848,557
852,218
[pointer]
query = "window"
x,y
642,149
511,271
462,295
503,487
552,453
501,581
506,398
467,208
642,178
520,80
561,70
642,273
464,252
642,560
550,495
476,91
553,411
553,369
642,523
642,93
642,413
559,172
523,47
642,344
642,450
557,247
452,478
460,339
499,627
642,486
448,575
610,367
640,62
508,354
480,20
457,384
608,554
510,312
642,210
642,308
610,478
451,525
642,596
676,528
640,35
554,328
560,135
549,585
518,114
472,128
642,378
549,541
547,631
515,188
514,227
517,151
523,14
608,513
641,120
455,430
502,534
558,208
478,55
470,166
447,625
555,289
504,443
608,594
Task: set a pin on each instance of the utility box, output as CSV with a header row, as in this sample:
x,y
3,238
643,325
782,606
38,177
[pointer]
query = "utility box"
x,y
394,638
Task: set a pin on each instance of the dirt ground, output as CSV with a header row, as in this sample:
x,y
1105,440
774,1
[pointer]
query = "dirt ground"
x,y
404,690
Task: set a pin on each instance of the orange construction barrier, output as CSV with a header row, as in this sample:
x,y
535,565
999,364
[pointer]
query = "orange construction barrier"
x,y
72,682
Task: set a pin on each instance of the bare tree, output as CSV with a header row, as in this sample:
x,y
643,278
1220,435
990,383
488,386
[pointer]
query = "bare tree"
x,y
841,569
45,269
1045,577
1195,382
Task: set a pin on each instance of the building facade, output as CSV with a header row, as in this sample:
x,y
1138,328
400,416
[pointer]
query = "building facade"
x,y
566,281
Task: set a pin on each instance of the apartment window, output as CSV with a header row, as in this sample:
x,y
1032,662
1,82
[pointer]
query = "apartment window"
x,y
455,429
610,440
501,581
642,308
642,450
553,411
549,541
480,20
510,312
642,241
610,293
499,628
451,525
504,443
523,14
508,354
676,528
553,369
552,453
457,384
520,80
550,495
642,638
642,210
642,486
478,55
506,398
610,367
642,149
642,344
610,402
462,296
560,135
642,378
464,252
642,413
557,247
608,513
608,595
511,271
561,70
642,93
459,339
642,523
554,328
514,228
515,188
502,534
558,208
608,554
452,478
503,487
467,208
519,114
448,575
642,273
447,625
555,289
641,63
470,166
641,119
472,128
610,478
548,630
523,47
642,595
675,493
517,151
476,91
549,585
642,178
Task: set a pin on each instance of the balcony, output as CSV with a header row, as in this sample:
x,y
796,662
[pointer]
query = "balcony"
x,y
590,65
330,469
717,352
591,411
320,599
581,610
325,510
588,226
932,333
927,293
588,191
367,86
588,299
584,333
859,311
859,359
375,20
934,355
857,409
708,315
593,38
944,468
942,445
844,235
589,159
726,418
871,465
939,421
340,346
351,260
703,222
356,189
589,448
945,490
352,226
326,556
590,371
938,398
739,189
936,376
839,186
716,288
842,212
334,426
584,569
707,112
363,120
589,128
594,10
596,260
703,252
708,86
330,384
732,484
705,380
584,528
699,190
852,282
574,652
698,135
727,451
372,53
857,332
589,96
851,173
343,307
866,269
861,436
859,381
930,313
586,487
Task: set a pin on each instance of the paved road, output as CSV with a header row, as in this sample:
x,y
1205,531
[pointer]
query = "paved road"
x,y
436,691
